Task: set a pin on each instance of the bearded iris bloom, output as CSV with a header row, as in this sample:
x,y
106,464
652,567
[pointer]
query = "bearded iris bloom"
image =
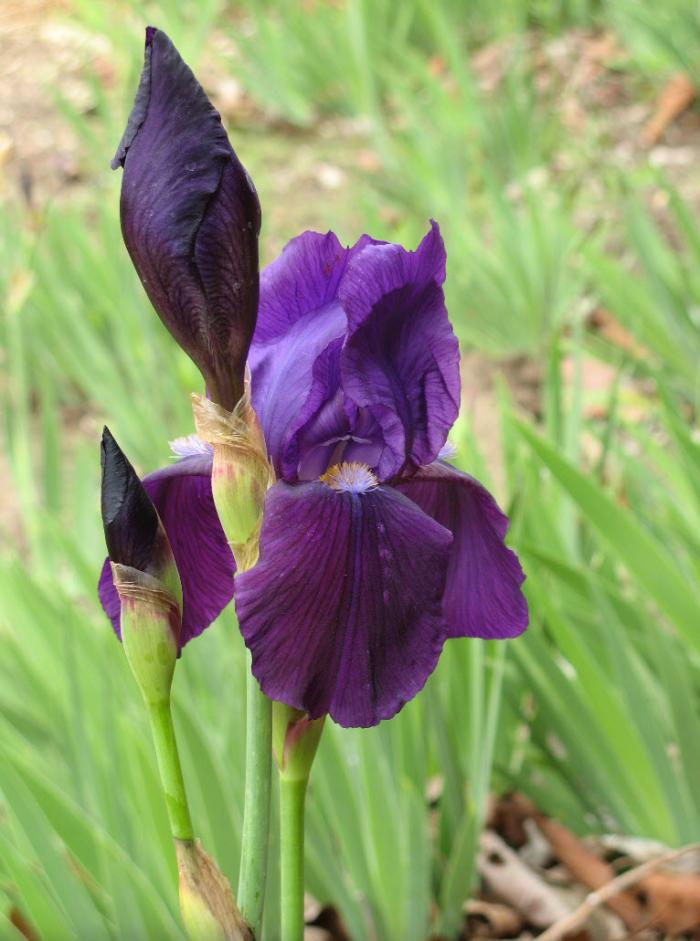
x,y
373,551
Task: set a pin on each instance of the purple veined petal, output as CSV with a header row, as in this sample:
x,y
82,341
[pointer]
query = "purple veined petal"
x,y
401,360
483,597
343,612
295,357
305,277
329,437
320,424
190,219
325,431
299,322
182,495
283,378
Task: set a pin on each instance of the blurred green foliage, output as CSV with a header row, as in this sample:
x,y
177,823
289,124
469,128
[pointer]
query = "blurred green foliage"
x,y
594,712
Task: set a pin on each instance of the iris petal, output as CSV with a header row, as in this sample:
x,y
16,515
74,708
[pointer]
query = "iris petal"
x,y
401,360
304,278
182,495
295,354
342,613
190,219
284,378
482,596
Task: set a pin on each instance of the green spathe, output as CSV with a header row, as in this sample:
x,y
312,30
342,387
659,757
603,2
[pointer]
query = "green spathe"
x,y
241,472
295,739
150,627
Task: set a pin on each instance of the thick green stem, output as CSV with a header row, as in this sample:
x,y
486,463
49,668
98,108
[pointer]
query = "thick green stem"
x,y
170,770
256,812
292,800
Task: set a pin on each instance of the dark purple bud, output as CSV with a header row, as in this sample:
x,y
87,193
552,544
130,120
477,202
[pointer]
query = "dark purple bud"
x,y
190,219
144,574
130,520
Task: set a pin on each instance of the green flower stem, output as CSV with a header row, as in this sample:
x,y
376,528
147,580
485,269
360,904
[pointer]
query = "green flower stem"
x,y
295,738
292,801
170,770
256,812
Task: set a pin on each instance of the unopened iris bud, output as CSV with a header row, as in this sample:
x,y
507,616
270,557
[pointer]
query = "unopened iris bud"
x,y
295,738
241,472
190,219
145,574
209,911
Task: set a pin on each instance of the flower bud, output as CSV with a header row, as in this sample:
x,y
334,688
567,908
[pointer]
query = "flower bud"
x,y
190,219
295,738
144,573
241,472
209,911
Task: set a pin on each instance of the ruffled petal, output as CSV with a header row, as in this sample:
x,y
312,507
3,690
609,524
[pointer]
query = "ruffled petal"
x,y
343,613
295,356
304,278
182,495
401,360
283,379
328,429
190,219
483,597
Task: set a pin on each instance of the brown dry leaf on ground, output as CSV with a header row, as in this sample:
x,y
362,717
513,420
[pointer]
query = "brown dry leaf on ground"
x,y
587,868
323,922
513,882
651,899
492,920
672,901
678,93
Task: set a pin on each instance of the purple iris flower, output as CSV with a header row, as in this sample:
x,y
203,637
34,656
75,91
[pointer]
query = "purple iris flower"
x,y
373,551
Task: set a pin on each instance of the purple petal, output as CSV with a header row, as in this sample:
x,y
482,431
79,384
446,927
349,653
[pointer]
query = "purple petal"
x,y
401,361
304,278
342,614
299,322
190,219
482,596
325,431
283,377
182,495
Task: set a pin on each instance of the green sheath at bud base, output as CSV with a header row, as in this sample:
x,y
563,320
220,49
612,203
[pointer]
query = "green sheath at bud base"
x,y
241,472
208,908
150,627
295,739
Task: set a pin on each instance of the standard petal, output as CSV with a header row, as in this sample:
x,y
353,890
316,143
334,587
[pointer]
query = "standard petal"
x,y
401,360
286,387
343,614
182,495
190,219
304,278
483,597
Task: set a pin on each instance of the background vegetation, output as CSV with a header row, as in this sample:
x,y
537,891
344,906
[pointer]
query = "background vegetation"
x,y
574,285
